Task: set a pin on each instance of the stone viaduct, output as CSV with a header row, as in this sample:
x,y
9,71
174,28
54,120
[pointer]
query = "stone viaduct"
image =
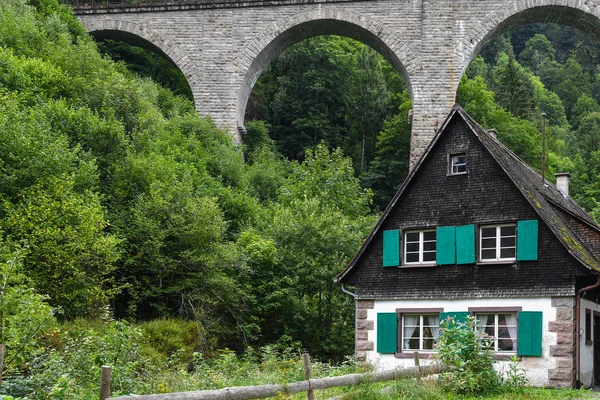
x,y
222,46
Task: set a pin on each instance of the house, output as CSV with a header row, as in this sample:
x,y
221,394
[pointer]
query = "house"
x,y
475,231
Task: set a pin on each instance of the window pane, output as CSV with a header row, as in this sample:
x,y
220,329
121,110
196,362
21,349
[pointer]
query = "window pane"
x,y
427,257
429,246
488,254
427,236
507,253
412,257
488,243
412,237
488,232
507,231
508,242
412,247
505,345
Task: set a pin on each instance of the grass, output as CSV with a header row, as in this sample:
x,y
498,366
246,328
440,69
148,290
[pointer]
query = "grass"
x,y
427,390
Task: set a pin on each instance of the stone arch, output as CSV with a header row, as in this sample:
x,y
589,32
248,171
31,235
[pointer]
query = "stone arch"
x,y
583,15
293,29
141,36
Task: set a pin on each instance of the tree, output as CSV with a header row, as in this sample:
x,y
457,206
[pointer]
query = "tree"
x,y
64,232
368,104
513,87
538,51
390,166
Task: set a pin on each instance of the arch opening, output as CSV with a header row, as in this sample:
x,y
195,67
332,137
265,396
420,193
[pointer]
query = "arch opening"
x,y
145,57
580,19
318,27
298,55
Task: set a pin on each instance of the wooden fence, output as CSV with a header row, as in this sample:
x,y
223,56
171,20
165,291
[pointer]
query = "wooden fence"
x,y
263,391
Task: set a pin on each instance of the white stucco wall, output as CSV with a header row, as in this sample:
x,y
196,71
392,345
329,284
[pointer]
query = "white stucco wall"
x,y
587,351
536,368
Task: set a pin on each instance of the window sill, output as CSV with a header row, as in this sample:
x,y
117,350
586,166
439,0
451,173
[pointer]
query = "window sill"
x,y
457,174
423,265
506,356
498,262
429,355
423,355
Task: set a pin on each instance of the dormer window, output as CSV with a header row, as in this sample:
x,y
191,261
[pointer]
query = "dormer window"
x,y
458,164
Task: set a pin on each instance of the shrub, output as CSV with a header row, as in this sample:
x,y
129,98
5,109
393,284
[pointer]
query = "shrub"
x,y
469,353
169,338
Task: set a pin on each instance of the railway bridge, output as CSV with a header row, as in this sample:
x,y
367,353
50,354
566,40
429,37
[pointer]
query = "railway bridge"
x,y
222,46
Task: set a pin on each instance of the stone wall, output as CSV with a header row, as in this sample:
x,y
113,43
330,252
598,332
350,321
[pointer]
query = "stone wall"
x,y
363,326
564,350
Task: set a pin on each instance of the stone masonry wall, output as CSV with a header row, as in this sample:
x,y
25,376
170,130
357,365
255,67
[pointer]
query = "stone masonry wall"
x,y
222,50
564,350
363,326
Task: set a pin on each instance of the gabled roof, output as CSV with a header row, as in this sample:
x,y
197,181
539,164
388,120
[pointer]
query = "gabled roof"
x,y
549,203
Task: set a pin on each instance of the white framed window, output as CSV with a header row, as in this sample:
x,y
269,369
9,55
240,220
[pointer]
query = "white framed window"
x,y
498,242
420,247
458,164
501,327
420,331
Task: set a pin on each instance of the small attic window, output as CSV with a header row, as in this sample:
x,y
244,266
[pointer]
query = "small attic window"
x,y
457,164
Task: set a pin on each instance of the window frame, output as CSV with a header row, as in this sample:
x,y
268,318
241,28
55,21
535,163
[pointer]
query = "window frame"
x,y
589,323
421,250
499,310
452,164
498,245
400,313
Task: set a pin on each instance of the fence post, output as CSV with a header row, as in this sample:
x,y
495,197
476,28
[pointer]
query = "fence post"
x,y
2,350
105,383
307,375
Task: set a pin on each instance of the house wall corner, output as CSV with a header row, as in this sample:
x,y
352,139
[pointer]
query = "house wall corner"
x,y
363,326
563,375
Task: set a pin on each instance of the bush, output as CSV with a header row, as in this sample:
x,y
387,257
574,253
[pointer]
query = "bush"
x,y
469,353
165,338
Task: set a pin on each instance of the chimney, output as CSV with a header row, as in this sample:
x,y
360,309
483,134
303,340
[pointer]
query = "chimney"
x,y
562,182
493,133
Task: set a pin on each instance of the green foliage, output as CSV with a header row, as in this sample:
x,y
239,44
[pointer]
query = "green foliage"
x,y
148,64
327,89
165,338
328,176
513,87
25,315
469,352
72,371
390,166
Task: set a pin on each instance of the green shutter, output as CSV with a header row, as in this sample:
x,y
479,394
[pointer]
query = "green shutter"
x,y
527,240
465,244
446,245
529,333
391,248
459,316
387,332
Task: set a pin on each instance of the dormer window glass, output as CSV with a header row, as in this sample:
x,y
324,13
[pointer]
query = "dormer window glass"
x,y
458,164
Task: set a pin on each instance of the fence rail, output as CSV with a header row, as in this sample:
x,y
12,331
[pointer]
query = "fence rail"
x,y
263,391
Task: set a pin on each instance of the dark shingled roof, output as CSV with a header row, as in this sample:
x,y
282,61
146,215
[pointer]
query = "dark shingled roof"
x,y
555,209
